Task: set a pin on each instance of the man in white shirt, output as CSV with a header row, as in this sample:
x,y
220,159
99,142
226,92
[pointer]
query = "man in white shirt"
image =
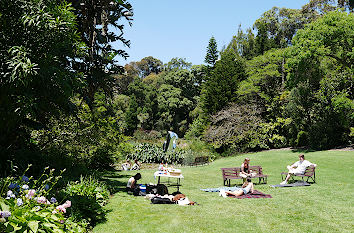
x,y
298,167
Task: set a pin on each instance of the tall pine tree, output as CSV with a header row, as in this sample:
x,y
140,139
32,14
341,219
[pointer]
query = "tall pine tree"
x,y
212,52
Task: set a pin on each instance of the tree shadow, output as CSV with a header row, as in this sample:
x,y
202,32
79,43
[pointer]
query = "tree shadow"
x,y
302,150
114,185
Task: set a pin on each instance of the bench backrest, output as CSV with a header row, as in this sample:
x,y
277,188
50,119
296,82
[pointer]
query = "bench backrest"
x,y
310,170
235,171
231,171
256,169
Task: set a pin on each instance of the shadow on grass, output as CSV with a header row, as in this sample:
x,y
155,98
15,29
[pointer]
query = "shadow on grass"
x,y
114,185
302,150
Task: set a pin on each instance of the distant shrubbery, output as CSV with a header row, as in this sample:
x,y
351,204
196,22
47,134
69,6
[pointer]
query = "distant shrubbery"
x,y
149,153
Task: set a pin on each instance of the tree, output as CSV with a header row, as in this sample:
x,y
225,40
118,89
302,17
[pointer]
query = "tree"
x,y
265,83
173,109
321,81
243,44
237,127
177,64
149,65
220,88
96,21
38,43
212,52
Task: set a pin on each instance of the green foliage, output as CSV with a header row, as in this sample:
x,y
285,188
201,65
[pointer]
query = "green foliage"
x,y
220,89
149,153
212,52
177,64
321,79
144,135
197,128
100,25
92,138
243,44
28,202
88,197
38,42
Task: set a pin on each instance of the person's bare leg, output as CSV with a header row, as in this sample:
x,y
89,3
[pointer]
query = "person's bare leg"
x,y
286,179
252,188
235,193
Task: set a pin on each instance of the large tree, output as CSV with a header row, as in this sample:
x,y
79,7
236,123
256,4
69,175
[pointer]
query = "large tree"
x,y
96,21
38,42
220,88
321,81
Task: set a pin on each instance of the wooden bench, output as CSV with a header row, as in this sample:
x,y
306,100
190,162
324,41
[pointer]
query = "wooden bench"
x,y
309,173
200,161
234,173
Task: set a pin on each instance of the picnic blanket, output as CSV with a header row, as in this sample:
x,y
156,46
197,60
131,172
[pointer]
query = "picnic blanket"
x,y
218,189
255,194
295,184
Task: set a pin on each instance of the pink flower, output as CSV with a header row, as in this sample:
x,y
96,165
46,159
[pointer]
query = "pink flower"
x,y
67,204
61,208
41,200
54,212
30,193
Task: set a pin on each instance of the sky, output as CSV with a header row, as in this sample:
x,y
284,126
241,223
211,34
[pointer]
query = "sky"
x,y
166,29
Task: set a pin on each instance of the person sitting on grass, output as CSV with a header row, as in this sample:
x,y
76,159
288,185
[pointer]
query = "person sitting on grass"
x,y
126,166
132,186
298,168
246,188
136,165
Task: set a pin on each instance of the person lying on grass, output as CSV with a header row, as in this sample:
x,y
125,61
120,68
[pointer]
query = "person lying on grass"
x,y
298,168
246,188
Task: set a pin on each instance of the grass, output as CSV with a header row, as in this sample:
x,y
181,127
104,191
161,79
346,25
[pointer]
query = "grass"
x,y
323,207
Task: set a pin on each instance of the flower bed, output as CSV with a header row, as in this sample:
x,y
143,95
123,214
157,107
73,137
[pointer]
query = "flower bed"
x,y
31,205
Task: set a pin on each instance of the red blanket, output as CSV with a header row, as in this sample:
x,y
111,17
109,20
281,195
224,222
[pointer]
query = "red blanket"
x,y
255,194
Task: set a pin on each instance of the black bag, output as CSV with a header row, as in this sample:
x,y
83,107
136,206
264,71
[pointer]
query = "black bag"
x,y
162,189
151,189
161,200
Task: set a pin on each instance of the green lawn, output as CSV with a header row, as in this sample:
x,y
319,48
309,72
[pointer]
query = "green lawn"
x,y
323,207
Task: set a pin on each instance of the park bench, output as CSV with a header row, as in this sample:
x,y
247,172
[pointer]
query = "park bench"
x,y
309,173
234,173
200,161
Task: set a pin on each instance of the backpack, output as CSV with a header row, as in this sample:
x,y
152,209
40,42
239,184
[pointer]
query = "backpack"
x,y
162,189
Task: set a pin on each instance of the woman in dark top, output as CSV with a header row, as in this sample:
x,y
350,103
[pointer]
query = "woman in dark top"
x,y
245,171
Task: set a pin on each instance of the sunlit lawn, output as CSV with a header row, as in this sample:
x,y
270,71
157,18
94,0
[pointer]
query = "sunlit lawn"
x,y
327,206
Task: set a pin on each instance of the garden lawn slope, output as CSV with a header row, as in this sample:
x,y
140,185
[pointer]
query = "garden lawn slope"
x,y
327,206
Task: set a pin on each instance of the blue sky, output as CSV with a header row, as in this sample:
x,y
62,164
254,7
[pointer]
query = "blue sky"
x,y
165,29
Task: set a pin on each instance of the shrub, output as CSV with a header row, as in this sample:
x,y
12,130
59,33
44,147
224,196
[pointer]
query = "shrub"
x,y
88,197
302,139
148,153
29,205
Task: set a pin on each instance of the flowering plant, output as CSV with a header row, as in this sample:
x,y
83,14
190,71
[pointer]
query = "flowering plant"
x,y
24,205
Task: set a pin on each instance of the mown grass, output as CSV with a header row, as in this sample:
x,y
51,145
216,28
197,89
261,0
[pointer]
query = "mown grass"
x,y
323,207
